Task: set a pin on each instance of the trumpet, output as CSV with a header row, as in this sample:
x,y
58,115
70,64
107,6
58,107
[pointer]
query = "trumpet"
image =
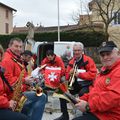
x,y
72,77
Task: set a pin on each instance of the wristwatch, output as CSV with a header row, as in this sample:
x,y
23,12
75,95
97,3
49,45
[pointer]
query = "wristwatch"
x,y
87,108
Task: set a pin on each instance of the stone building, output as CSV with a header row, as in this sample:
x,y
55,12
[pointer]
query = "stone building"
x,y
6,19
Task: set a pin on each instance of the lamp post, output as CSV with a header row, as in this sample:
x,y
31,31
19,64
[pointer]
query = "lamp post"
x,y
58,22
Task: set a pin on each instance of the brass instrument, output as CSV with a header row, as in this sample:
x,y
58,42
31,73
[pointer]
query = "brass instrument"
x,y
17,95
65,93
72,77
38,90
30,66
37,87
37,80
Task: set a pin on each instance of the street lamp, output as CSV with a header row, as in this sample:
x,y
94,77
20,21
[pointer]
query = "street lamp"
x,y
58,23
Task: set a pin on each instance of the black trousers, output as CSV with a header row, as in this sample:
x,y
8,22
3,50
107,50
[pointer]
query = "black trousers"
x,y
7,114
87,116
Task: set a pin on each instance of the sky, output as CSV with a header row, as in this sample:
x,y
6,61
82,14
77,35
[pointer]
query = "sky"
x,y
45,12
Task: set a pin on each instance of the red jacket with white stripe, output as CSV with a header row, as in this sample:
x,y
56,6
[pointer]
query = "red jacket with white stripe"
x,y
90,68
56,63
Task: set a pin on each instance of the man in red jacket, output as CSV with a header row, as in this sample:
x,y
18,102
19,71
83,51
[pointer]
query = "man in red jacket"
x,y
13,68
103,100
83,76
53,62
7,105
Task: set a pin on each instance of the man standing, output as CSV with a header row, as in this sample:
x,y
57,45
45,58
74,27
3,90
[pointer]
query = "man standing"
x,y
13,67
103,100
83,70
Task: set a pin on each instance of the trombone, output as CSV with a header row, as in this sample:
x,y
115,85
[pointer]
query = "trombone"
x,y
72,77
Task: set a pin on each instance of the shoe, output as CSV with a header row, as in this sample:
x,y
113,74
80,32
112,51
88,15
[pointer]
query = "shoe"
x,y
63,117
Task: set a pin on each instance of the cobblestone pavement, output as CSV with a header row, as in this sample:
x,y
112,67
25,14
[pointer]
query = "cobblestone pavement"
x,y
52,109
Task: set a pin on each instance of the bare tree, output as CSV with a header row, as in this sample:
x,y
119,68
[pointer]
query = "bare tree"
x,y
82,9
107,10
82,16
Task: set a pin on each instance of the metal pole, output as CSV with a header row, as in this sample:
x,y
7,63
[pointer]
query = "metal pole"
x,y
81,7
58,23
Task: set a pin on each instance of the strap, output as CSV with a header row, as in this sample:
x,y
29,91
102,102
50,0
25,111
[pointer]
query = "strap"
x,y
4,79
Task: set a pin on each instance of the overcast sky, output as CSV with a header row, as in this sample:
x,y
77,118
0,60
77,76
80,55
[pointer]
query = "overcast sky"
x,y
44,12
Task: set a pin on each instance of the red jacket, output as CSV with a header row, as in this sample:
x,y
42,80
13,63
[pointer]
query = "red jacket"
x,y
12,69
90,68
104,97
4,99
57,63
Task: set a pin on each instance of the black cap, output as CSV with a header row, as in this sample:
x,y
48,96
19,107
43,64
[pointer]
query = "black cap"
x,y
107,46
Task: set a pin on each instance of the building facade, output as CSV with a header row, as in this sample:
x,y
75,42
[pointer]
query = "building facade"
x,y
6,19
112,8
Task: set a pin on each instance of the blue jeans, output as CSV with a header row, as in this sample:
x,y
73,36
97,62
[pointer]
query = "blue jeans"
x,y
34,106
7,114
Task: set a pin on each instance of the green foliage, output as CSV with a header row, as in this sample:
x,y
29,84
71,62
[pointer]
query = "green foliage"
x,y
4,39
88,38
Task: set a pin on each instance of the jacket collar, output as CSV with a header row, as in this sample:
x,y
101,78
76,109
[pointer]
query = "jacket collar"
x,y
13,55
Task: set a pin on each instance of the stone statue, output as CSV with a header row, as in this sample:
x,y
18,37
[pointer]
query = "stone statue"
x,y
29,42
30,30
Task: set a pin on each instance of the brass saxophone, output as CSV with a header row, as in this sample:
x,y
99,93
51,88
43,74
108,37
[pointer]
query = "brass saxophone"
x,y
17,94
17,87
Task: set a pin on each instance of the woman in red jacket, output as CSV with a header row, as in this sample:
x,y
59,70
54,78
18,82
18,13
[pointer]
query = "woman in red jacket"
x,y
6,104
103,100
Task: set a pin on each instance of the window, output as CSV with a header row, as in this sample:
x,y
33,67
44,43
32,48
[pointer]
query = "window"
x,y
7,14
117,18
6,28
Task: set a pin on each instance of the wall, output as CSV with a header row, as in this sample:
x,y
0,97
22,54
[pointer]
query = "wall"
x,y
3,20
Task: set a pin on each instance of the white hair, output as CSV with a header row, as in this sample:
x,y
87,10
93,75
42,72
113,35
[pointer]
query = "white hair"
x,y
79,44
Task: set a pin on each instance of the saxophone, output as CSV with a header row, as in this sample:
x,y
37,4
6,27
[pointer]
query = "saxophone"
x,y
17,93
